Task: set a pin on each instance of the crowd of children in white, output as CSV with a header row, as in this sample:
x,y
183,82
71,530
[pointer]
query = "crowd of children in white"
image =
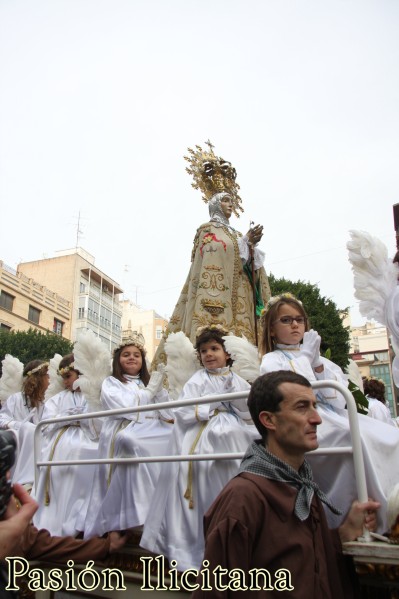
x,y
169,502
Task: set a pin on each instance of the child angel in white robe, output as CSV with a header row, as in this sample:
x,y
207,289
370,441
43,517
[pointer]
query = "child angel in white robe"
x,y
23,393
185,490
63,491
288,344
121,493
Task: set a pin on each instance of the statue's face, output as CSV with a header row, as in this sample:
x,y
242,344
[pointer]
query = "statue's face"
x,y
226,205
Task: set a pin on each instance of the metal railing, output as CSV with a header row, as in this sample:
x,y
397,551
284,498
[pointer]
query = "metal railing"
x,y
355,449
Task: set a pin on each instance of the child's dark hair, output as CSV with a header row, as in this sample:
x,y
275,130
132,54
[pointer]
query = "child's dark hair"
x,y
374,388
117,371
212,334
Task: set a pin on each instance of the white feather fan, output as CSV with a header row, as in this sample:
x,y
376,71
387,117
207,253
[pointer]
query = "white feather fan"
x,y
56,385
11,380
245,357
375,276
93,360
182,362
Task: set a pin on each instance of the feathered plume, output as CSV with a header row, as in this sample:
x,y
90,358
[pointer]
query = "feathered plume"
x,y
375,276
11,380
92,358
182,362
354,374
55,385
245,357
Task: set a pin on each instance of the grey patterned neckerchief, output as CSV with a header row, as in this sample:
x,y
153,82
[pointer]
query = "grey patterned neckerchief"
x,y
257,460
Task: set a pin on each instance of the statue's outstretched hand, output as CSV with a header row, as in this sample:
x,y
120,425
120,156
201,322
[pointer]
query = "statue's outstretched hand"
x,y
255,234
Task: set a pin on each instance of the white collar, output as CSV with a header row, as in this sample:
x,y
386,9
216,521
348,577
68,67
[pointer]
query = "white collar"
x,y
284,347
219,371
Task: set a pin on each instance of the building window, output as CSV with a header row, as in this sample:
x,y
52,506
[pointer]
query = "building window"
x,y
34,314
4,327
58,326
158,333
6,300
82,287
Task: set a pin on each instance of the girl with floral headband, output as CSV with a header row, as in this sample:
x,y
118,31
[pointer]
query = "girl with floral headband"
x,y
185,490
288,344
21,412
28,403
62,491
121,494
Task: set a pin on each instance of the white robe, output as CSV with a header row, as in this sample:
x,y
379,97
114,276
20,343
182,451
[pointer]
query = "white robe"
x,y
172,527
121,494
67,487
335,474
379,411
17,415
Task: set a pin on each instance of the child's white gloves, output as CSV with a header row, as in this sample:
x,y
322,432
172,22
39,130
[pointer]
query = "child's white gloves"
x,y
156,381
311,348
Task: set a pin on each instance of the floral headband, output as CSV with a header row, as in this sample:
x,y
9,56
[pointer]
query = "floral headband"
x,y
34,370
62,371
276,298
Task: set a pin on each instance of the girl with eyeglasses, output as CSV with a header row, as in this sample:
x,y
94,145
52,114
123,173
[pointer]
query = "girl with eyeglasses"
x,y
288,344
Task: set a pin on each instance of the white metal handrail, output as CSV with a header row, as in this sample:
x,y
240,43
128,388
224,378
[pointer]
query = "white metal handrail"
x,y
356,448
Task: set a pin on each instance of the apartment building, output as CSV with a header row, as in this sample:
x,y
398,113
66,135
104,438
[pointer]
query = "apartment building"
x,y
93,295
26,303
146,323
370,349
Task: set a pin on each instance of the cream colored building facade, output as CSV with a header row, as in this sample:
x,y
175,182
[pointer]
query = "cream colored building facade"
x,y
94,296
370,349
26,303
147,323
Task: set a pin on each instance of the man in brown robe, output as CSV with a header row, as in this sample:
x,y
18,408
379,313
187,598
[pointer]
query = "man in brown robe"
x,y
266,535
18,537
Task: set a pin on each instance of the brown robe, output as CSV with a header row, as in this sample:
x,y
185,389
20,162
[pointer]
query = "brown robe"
x,y
40,545
252,525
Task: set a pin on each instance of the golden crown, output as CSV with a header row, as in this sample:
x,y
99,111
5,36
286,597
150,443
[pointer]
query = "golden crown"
x,y
212,174
136,339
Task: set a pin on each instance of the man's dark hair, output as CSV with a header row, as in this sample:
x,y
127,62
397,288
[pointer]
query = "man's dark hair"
x,y
265,394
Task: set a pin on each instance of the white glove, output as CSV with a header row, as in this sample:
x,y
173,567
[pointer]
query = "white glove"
x,y
311,348
156,381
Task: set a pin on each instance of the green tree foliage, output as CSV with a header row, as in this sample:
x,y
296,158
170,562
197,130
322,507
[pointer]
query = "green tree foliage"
x,y
32,345
324,317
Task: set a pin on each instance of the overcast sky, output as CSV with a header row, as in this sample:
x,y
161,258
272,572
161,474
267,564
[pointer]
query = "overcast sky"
x,y
100,99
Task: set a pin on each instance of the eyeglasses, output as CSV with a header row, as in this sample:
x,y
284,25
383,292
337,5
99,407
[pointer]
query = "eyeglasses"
x,y
290,319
